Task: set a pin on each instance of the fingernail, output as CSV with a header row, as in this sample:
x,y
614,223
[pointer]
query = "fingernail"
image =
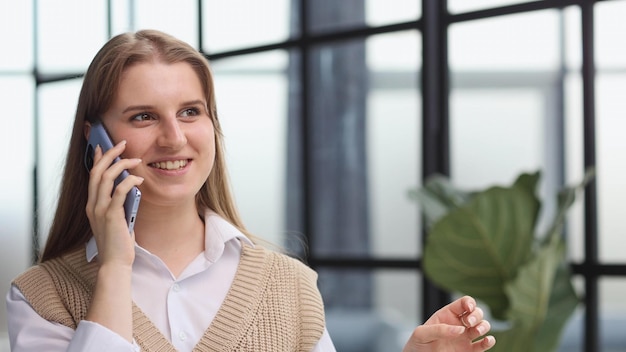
x,y
480,329
490,340
471,320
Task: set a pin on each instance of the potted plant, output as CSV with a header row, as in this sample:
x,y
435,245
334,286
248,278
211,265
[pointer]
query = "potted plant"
x,y
483,244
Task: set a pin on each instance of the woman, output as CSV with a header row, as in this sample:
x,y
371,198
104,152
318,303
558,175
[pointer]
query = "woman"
x,y
189,277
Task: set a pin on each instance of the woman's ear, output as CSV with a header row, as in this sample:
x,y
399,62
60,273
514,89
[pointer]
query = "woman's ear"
x,y
87,129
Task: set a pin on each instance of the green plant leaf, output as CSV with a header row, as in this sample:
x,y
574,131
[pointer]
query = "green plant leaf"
x,y
515,339
438,197
529,293
528,182
565,200
563,303
478,247
482,244
542,300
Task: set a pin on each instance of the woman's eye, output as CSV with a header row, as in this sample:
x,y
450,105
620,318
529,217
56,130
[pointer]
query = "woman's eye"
x,y
190,112
141,117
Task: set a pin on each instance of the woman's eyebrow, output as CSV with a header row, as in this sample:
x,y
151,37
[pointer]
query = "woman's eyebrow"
x,y
137,107
149,107
194,102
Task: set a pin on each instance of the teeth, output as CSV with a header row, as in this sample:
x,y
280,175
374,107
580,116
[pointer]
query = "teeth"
x,y
170,165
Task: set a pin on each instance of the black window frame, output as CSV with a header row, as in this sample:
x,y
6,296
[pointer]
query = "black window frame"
x,y
434,78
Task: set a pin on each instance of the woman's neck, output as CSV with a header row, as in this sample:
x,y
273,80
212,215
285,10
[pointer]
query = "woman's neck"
x,y
174,234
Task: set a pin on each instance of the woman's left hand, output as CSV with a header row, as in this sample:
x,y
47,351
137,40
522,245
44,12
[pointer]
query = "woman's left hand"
x,y
453,328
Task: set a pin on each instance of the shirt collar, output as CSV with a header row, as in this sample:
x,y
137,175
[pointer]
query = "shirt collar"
x,y
217,232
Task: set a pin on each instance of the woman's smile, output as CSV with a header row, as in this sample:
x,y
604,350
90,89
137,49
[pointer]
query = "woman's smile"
x,y
170,165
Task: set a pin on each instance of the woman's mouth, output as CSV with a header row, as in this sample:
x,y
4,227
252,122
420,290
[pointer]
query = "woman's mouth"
x,y
170,164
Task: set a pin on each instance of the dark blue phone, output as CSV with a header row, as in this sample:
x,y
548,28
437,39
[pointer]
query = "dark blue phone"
x,y
99,136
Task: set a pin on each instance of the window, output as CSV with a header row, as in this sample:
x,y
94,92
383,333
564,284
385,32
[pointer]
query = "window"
x,y
348,105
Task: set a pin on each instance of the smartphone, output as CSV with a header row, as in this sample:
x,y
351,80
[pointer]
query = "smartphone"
x,y
99,136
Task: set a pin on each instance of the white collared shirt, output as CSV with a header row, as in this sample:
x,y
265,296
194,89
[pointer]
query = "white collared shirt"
x,y
180,307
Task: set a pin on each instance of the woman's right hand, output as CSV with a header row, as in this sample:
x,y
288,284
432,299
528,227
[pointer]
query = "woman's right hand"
x,y
111,303
105,210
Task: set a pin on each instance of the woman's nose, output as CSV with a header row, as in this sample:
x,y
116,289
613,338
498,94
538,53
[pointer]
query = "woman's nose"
x,y
172,136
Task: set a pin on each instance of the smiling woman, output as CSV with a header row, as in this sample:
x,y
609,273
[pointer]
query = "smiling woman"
x,y
189,277
154,94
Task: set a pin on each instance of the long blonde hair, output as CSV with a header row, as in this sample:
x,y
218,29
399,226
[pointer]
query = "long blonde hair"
x,y
70,227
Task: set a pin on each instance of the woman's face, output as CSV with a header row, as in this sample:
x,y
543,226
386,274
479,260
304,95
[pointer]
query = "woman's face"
x,y
161,111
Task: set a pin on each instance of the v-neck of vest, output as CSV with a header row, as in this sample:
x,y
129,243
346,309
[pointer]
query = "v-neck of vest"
x,y
233,318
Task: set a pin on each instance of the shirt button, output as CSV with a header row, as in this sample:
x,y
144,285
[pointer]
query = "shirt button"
x,y
176,288
182,336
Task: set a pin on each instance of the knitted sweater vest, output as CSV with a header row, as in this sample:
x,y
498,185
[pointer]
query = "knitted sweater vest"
x,y
272,305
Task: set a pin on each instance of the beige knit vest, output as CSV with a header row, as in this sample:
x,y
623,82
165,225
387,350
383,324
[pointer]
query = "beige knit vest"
x,y
272,305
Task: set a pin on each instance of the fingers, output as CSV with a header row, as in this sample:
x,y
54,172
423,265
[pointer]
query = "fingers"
x,y
484,344
443,337
101,198
463,305
475,324
471,319
425,334
477,327
480,329
105,208
101,164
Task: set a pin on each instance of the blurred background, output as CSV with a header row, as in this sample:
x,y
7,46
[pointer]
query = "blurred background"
x,y
333,110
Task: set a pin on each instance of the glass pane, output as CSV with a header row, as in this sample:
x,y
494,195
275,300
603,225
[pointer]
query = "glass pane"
x,y
16,188
57,106
573,335
384,322
610,29
16,35
393,147
610,124
255,135
337,132
68,41
120,16
456,6
505,111
613,314
610,105
573,130
328,15
399,53
495,134
574,164
365,132
236,24
524,42
612,318
379,13
176,18
573,38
